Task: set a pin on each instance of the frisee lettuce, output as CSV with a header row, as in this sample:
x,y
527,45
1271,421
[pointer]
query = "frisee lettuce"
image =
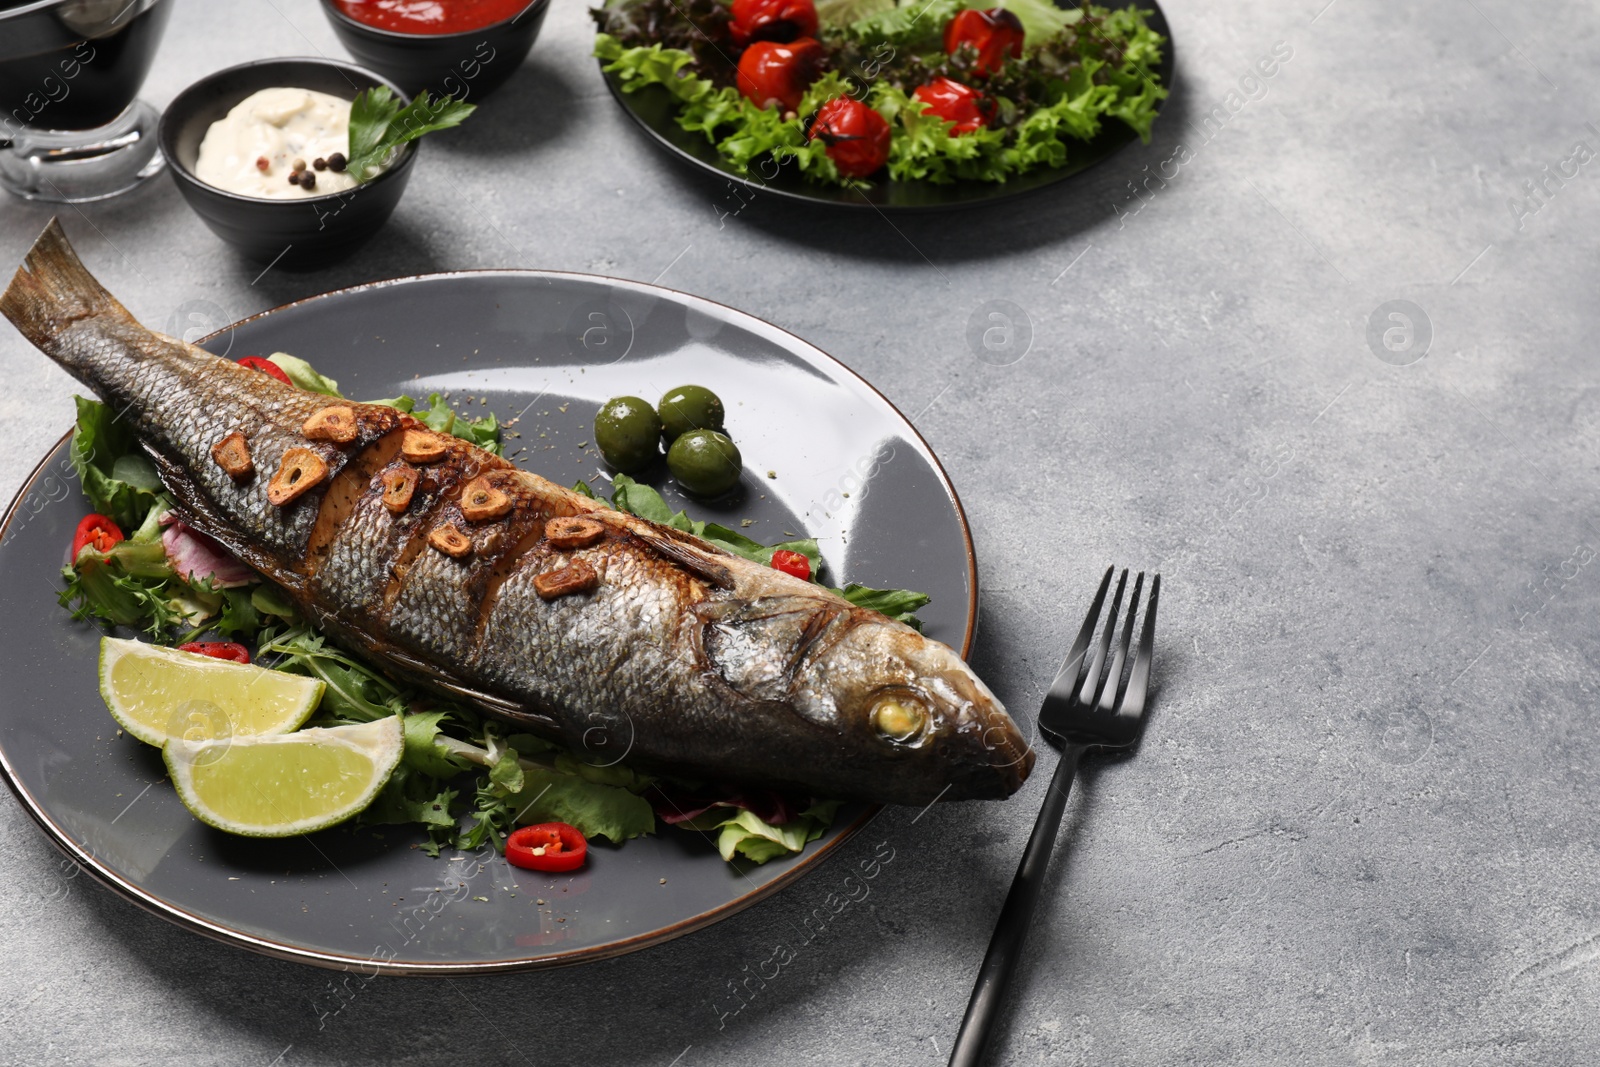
x,y
1083,65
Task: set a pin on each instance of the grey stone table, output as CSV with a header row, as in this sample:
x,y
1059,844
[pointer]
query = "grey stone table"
x,y
1362,828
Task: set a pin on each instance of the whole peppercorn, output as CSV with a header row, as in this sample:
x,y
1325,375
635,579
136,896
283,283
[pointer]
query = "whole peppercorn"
x,y
308,179
336,162
262,164
319,163
294,177
299,164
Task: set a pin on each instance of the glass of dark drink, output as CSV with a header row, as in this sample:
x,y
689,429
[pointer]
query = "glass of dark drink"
x,y
71,125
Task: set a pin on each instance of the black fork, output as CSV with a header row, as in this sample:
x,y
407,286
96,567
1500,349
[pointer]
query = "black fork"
x,y
1088,706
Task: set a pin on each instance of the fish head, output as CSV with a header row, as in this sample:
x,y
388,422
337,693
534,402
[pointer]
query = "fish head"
x,y
912,710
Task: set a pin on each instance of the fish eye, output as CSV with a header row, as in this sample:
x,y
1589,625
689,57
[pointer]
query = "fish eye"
x,y
901,719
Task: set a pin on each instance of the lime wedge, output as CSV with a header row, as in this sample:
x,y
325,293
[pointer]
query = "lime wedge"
x,y
160,694
278,786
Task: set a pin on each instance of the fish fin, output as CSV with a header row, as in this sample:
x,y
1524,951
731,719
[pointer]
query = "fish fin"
x,y
691,558
191,506
430,675
53,289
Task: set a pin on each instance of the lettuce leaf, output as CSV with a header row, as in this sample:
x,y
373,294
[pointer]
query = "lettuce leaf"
x,y
441,417
639,499
101,444
301,374
422,748
900,605
924,148
518,793
741,832
917,25
839,14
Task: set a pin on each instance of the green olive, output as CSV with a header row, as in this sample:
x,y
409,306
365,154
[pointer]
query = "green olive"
x,y
627,429
705,462
690,407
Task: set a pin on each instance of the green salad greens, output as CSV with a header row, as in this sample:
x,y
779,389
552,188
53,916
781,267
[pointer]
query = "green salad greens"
x,y
465,779
1080,66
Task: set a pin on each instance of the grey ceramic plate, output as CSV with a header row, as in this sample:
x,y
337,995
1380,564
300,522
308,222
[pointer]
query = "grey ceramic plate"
x,y
556,346
656,110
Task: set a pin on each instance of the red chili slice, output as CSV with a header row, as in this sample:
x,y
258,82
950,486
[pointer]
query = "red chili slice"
x,y
857,136
265,366
96,531
232,651
995,34
549,846
957,103
772,20
774,73
792,563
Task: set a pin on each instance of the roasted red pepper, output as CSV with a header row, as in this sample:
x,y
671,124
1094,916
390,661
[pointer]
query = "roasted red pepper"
x,y
774,73
961,104
266,366
792,563
549,846
995,34
232,651
96,531
772,20
857,136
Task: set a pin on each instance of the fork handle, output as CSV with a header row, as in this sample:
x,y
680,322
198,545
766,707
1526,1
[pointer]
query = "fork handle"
x,y
1015,918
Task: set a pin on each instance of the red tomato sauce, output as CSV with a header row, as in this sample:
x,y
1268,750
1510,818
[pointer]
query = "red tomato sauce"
x,y
430,16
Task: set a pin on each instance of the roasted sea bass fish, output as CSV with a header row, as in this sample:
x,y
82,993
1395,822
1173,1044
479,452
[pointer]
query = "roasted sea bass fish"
x,y
446,565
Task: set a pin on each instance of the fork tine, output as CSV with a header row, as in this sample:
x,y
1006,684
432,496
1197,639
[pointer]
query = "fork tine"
x,y
1066,680
1139,678
1091,677
1108,695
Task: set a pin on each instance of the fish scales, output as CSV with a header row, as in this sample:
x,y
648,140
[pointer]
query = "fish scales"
x,y
650,643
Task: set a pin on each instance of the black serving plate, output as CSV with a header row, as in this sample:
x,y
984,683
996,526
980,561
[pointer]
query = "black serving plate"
x,y
850,469
655,110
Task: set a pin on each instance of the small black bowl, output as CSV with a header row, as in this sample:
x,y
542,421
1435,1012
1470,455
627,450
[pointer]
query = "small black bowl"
x,y
468,65
309,231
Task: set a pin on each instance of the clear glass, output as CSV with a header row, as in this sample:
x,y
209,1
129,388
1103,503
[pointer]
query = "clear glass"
x,y
75,166
71,126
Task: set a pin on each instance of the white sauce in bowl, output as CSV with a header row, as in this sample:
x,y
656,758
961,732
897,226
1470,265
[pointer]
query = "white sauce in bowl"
x,y
277,126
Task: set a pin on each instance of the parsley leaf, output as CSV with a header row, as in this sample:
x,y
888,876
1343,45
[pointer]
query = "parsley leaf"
x,y
379,125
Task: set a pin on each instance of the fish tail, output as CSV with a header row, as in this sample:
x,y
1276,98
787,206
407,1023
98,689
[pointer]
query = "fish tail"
x,y
51,291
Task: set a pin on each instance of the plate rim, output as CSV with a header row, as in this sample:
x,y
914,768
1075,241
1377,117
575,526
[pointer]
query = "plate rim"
x,y
1001,195
216,931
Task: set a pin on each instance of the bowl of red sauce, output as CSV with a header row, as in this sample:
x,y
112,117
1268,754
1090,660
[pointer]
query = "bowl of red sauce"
x,y
460,48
